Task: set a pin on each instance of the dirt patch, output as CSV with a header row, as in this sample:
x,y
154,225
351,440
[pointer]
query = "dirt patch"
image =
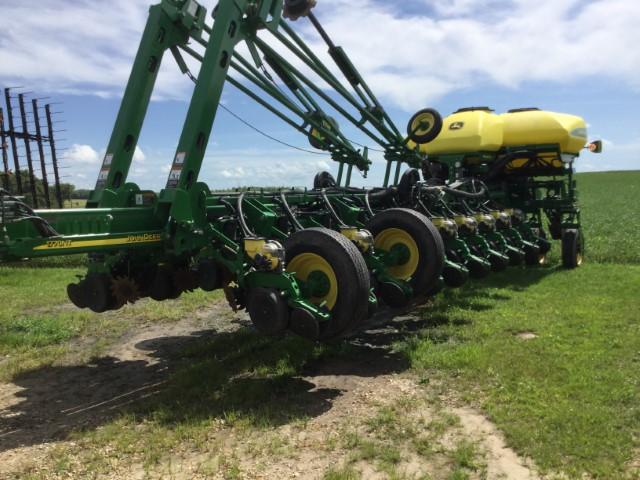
x,y
526,336
377,421
502,462
43,407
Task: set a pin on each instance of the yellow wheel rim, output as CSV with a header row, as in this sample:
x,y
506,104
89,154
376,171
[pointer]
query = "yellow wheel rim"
x,y
427,119
394,237
305,265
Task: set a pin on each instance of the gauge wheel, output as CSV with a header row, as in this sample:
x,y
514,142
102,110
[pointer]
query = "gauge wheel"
x,y
424,126
414,245
572,248
333,275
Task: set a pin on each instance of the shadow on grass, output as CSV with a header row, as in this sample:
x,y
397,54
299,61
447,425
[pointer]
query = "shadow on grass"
x,y
204,376
237,376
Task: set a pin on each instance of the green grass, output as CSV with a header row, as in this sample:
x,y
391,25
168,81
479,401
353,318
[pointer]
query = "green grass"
x,y
38,325
610,204
569,398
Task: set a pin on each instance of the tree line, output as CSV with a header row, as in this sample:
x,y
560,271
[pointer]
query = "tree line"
x,y
68,191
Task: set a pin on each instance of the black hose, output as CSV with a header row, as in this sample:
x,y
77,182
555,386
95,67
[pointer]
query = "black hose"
x,y
43,227
294,221
243,223
332,211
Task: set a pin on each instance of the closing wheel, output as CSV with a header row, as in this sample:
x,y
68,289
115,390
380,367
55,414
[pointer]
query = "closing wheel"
x,y
478,269
516,257
97,290
543,243
413,246
572,248
455,276
499,262
534,257
334,275
77,294
424,126
269,313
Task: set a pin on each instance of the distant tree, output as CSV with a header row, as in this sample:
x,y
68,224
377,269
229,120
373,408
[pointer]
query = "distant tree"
x,y
67,189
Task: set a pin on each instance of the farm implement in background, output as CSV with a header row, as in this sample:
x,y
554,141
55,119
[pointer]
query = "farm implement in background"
x,y
315,262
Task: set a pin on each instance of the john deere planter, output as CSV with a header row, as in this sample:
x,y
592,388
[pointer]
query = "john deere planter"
x,y
316,262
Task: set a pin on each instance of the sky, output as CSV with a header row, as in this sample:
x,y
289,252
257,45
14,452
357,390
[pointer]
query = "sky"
x,y
572,56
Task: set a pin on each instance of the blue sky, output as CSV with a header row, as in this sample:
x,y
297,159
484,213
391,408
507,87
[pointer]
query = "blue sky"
x,y
579,57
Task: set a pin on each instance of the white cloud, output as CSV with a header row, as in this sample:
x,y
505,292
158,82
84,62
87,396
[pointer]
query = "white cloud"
x,y
410,60
414,60
81,154
139,156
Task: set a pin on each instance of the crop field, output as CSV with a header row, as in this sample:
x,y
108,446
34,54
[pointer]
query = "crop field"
x,y
532,373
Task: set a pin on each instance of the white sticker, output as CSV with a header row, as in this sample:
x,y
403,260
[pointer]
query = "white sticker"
x,y
107,160
139,199
180,158
192,8
103,175
175,175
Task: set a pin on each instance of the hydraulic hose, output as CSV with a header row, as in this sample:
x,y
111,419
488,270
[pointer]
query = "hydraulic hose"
x,y
243,223
42,226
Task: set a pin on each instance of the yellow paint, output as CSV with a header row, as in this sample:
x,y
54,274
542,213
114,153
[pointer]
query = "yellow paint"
x,y
465,132
305,264
65,244
539,127
387,239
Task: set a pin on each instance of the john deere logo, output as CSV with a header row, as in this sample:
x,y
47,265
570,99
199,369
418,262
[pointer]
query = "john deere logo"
x,y
456,126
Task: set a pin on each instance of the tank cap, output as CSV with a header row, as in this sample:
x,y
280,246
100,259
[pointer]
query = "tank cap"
x,y
521,110
475,109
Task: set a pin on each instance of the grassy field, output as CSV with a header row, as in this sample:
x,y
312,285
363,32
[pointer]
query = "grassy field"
x,y
552,357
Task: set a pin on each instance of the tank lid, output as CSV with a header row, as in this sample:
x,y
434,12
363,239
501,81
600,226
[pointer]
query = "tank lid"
x,y
475,109
521,110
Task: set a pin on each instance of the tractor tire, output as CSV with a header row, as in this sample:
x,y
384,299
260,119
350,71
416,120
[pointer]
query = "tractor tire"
x,y
572,248
319,250
421,236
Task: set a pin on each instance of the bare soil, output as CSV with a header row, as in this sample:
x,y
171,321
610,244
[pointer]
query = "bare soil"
x,y
41,409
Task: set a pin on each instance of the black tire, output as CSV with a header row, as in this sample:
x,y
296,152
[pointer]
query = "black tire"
x,y
454,277
478,270
429,132
352,304
407,182
533,257
543,242
77,294
97,290
427,239
499,263
572,248
269,313
324,180
516,258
